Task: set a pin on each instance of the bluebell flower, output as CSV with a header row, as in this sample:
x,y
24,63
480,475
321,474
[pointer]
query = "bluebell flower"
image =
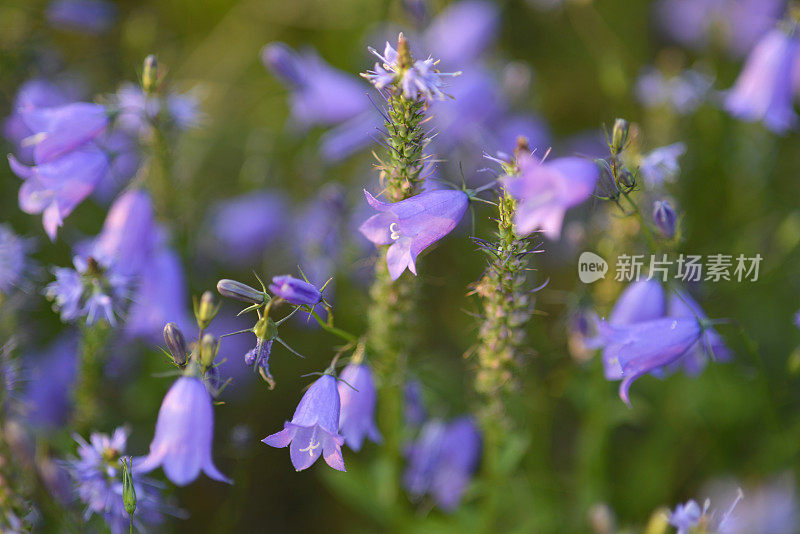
x,y
734,24
460,454
661,165
546,189
462,31
129,235
296,291
258,359
246,225
184,435
422,457
51,372
358,397
57,131
421,80
33,94
92,289
14,262
665,218
637,349
320,94
766,87
159,297
687,516
314,428
711,344
83,16
96,473
412,225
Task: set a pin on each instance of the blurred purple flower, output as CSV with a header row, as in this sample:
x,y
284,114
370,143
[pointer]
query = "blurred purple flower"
x,y
14,262
57,131
766,87
683,92
245,225
664,217
294,290
460,454
736,23
412,225
545,190
318,235
641,301
661,164
422,457
93,289
681,304
320,94
137,109
52,374
770,508
129,233
358,399
687,516
460,33
96,473
414,413
184,435
83,16
314,428
642,347
257,358
160,296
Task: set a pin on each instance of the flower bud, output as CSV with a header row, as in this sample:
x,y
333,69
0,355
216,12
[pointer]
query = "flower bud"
x,y
206,310
664,217
150,74
295,290
176,344
239,291
208,350
128,489
626,179
619,136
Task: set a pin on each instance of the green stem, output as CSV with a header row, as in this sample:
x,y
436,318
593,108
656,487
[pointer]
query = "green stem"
x,y
347,336
87,410
651,240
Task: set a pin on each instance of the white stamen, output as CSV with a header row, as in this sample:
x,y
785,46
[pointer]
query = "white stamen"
x,y
395,232
311,446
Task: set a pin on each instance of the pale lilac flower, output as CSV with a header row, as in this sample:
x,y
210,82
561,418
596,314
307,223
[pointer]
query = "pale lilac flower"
x,y
314,428
640,348
93,289
320,94
661,164
545,190
460,454
422,457
462,31
83,16
412,225
55,188
414,412
246,224
769,508
294,290
96,473
358,397
665,218
766,87
52,372
687,516
129,235
14,261
184,435
422,80
57,131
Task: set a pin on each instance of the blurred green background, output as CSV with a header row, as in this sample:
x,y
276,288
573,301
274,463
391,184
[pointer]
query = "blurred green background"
x,y
738,192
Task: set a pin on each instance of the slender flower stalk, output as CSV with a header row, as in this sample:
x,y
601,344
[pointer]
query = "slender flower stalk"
x,y
91,358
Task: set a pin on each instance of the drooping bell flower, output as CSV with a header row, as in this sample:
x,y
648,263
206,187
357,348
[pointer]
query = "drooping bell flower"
x,y
414,412
358,398
257,358
681,304
460,453
60,130
462,31
55,188
14,260
184,435
664,217
766,87
546,190
641,301
314,428
247,224
320,94
412,225
296,291
422,457
129,233
51,373
640,348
